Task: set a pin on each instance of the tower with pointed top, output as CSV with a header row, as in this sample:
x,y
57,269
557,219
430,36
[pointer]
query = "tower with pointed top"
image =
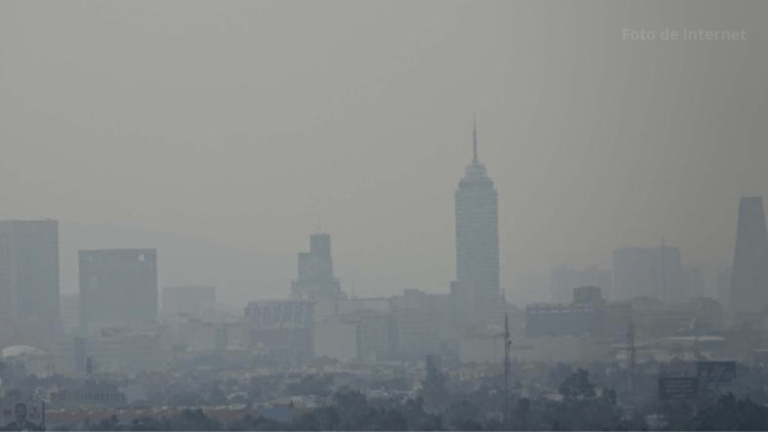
x,y
476,289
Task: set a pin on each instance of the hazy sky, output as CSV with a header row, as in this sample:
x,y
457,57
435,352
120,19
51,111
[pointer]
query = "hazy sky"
x,y
244,123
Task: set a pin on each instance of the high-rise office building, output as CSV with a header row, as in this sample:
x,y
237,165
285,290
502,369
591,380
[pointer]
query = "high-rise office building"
x,y
476,290
749,283
117,287
316,280
29,273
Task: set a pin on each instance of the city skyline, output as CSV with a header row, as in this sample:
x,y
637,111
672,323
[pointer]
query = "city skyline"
x,y
378,215
257,161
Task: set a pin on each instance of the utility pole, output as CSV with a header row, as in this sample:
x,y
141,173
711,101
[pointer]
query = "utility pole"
x,y
632,359
507,344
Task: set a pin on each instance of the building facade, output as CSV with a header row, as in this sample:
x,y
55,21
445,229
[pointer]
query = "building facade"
x,y
423,323
282,328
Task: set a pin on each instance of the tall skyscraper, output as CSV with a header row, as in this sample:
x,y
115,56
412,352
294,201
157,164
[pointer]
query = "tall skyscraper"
x,y
476,289
749,283
29,273
117,287
316,280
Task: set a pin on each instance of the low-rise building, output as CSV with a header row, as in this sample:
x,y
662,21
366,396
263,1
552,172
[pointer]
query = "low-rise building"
x,y
587,315
281,327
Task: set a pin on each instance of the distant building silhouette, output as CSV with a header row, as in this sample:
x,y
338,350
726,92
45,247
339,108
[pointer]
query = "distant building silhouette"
x,y
695,283
670,275
117,286
476,291
595,276
422,322
70,313
316,280
749,283
587,314
723,288
361,329
633,274
29,275
649,272
564,278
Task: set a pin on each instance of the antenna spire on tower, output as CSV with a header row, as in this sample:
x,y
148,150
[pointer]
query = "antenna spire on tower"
x,y
474,138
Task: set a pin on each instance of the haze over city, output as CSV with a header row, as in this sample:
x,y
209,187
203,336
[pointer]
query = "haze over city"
x,y
377,215
246,125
